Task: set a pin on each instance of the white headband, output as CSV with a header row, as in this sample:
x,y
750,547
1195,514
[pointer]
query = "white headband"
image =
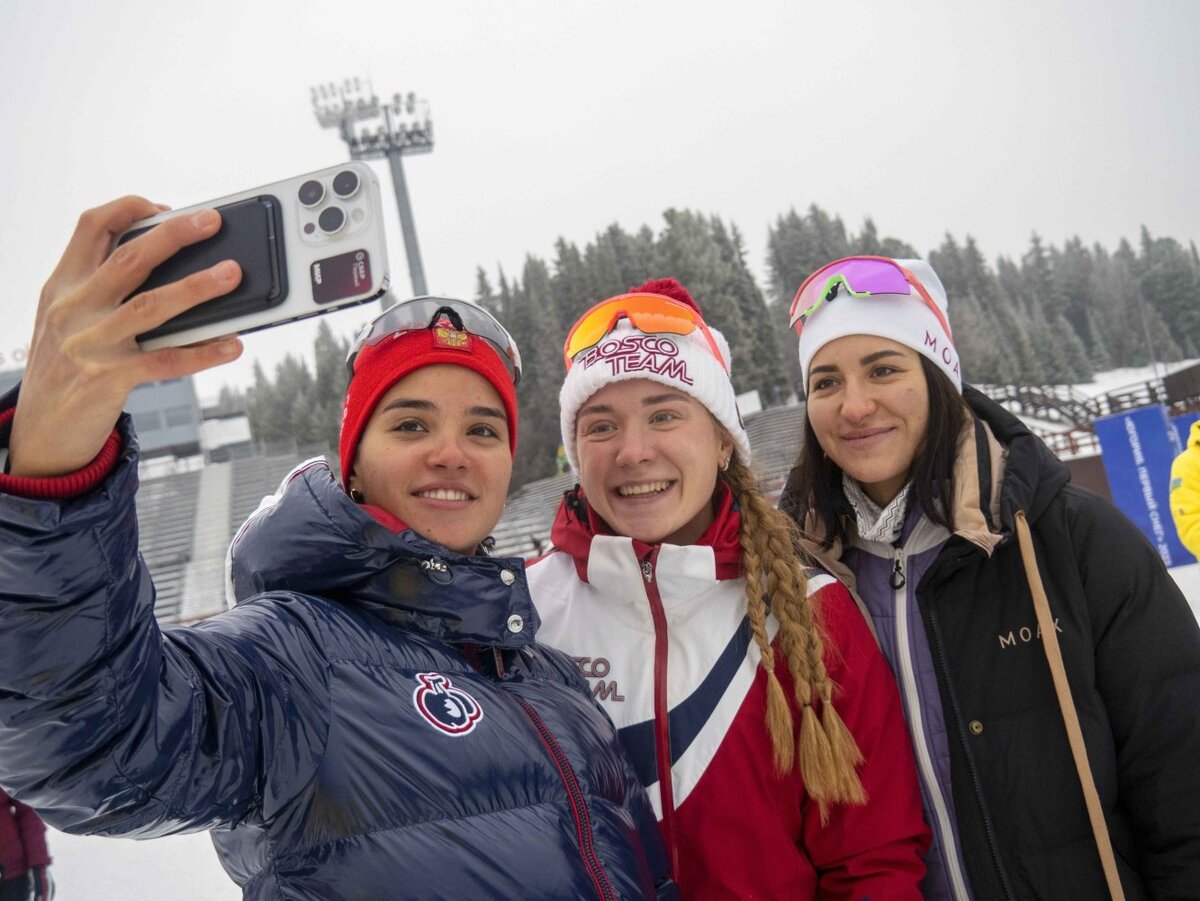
x,y
903,318
684,362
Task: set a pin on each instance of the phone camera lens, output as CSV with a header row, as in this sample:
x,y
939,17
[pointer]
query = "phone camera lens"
x,y
311,192
331,220
345,183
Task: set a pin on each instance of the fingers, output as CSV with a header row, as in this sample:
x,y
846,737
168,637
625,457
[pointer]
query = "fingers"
x,y
150,309
84,358
176,362
94,233
131,263
107,279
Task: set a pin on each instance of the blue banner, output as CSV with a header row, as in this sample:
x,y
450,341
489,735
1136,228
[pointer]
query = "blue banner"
x,y
1183,427
1138,447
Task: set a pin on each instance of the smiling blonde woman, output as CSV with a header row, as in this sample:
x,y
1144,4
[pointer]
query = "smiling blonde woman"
x,y
746,688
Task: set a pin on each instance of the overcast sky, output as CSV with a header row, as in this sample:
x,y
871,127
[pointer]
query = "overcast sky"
x,y
558,118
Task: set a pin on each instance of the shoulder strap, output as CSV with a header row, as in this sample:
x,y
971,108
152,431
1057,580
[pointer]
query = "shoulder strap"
x,y
1070,716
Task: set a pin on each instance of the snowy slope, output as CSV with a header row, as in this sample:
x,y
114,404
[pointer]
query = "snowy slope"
x,y
1115,379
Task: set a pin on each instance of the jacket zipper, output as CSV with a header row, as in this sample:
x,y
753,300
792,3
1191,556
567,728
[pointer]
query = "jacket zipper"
x,y
935,635
583,824
912,697
897,579
662,711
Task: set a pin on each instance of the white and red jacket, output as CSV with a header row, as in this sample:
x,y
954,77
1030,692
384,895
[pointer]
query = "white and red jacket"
x,y
661,633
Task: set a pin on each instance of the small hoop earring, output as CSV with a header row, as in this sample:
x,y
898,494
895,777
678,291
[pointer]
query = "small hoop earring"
x,y
725,465
356,496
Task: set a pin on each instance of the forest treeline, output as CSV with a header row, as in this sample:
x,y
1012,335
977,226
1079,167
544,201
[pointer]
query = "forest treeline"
x,y
1056,315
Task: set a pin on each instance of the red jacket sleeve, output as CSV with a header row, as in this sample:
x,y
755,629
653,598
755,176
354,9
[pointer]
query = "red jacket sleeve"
x,y
33,835
63,487
876,850
22,837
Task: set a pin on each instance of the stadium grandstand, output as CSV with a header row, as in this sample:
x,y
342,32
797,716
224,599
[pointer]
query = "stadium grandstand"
x,y
188,515
201,476
167,415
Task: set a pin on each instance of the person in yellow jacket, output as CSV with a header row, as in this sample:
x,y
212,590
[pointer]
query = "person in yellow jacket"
x,y
1185,492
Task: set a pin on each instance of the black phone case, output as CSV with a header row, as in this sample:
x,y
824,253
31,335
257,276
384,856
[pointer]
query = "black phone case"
x,y
252,235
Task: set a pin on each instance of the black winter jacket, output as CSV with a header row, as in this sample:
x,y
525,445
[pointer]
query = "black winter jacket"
x,y
1132,651
338,730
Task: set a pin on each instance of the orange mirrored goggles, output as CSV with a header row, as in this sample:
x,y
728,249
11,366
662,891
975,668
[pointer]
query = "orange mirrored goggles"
x,y
652,314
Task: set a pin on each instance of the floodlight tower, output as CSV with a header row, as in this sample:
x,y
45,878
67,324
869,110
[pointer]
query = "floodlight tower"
x,y
372,130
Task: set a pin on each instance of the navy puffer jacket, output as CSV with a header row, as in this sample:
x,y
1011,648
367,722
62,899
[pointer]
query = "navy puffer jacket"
x,y
372,720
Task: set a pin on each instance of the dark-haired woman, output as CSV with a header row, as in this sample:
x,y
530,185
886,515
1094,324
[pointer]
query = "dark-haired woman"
x,y
1049,667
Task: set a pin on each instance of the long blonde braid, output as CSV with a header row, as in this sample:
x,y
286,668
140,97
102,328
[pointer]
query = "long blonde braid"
x,y
828,754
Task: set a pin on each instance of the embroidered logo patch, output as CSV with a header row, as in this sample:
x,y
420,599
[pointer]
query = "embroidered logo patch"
x,y
597,669
446,708
638,353
443,336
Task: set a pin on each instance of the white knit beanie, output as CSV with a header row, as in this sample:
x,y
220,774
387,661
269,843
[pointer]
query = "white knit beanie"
x,y
683,362
903,318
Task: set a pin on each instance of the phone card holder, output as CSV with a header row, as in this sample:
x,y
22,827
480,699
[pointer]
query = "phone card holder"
x,y
251,234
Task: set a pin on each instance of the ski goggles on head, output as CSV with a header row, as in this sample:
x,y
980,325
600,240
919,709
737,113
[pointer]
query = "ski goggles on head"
x,y
861,277
437,312
649,313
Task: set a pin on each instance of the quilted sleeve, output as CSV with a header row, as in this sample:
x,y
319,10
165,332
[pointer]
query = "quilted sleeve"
x,y
109,725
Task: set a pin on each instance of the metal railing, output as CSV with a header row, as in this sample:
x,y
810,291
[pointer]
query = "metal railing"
x,y
1063,403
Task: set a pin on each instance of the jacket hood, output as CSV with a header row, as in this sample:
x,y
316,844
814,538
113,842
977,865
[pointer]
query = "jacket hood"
x,y
311,538
1031,476
577,524
1194,435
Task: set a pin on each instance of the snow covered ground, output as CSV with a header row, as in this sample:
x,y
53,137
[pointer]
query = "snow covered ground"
x,y
1114,379
185,868
1188,579
178,868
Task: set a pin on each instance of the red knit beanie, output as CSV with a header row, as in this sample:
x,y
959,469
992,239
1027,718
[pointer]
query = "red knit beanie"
x,y
379,366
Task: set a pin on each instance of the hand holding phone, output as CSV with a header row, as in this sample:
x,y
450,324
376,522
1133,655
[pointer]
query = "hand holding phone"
x,y
306,245
84,358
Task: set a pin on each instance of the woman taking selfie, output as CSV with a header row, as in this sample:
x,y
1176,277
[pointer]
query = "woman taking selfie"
x,y
1062,768
373,719
748,691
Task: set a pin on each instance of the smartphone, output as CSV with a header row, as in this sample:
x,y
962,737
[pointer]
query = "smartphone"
x,y
307,245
